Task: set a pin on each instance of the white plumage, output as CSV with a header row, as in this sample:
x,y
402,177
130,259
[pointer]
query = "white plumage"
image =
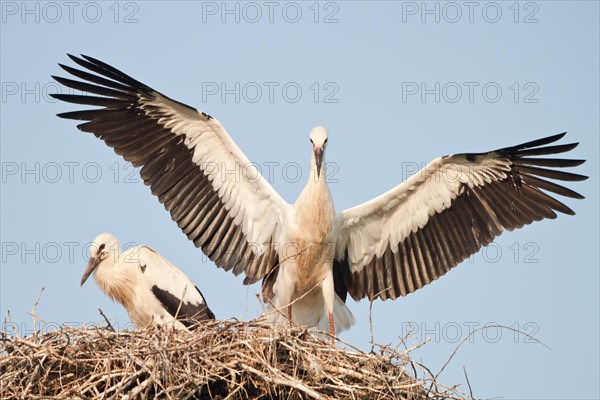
x,y
308,256
151,289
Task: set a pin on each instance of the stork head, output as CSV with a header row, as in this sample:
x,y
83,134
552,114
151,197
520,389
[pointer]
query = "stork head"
x,y
318,140
103,247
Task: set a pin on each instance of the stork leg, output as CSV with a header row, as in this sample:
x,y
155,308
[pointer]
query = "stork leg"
x,y
332,329
329,296
290,313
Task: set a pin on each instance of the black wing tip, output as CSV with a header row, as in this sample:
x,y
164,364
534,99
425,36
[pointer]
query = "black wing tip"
x,y
96,62
557,137
578,162
552,138
537,142
73,58
561,135
61,96
81,58
67,68
538,150
75,115
90,59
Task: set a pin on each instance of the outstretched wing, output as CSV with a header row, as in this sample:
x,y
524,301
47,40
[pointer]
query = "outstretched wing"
x,y
216,196
416,232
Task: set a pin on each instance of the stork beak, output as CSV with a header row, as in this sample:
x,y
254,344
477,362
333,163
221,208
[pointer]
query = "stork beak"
x,y
91,266
318,159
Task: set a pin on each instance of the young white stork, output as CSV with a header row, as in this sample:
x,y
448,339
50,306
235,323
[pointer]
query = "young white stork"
x,y
308,256
152,290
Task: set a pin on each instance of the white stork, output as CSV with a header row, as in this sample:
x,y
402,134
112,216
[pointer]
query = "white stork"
x,y
152,290
308,256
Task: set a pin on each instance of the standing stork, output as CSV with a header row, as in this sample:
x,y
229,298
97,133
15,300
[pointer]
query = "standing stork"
x,y
308,256
152,290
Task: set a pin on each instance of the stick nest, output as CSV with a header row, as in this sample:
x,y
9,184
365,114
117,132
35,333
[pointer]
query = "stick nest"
x,y
219,360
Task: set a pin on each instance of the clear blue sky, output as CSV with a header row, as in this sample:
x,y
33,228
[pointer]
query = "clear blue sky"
x,y
395,84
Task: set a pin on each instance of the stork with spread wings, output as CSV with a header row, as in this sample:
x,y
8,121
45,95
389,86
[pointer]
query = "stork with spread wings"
x,y
308,256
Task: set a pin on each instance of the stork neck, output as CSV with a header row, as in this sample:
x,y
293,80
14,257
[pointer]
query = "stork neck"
x,y
314,208
116,276
108,268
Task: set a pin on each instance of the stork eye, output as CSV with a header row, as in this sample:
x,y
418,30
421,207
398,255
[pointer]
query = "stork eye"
x,y
312,141
101,247
325,142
